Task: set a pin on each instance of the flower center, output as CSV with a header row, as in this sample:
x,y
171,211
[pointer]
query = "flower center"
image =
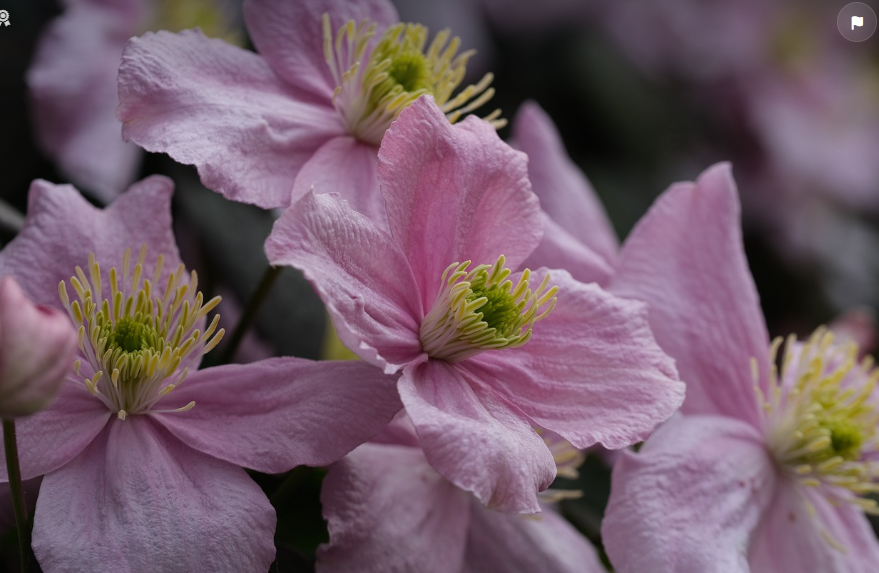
x,y
820,418
373,88
138,345
481,310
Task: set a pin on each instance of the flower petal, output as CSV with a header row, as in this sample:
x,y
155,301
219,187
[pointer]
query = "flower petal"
x,y
359,273
455,193
685,259
73,90
387,510
279,413
523,544
565,193
289,35
400,432
690,500
207,103
558,249
52,437
62,228
475,439
345,166
790,539
139,500
591,371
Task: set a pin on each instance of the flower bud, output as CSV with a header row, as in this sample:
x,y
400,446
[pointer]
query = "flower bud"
x,y
37,346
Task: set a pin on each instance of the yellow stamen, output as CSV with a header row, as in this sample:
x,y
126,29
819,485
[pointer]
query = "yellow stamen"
x,y
371,93
481,310
819,418
144,342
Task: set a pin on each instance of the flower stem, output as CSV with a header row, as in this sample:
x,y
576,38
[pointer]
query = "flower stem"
x,y
251,311
14,473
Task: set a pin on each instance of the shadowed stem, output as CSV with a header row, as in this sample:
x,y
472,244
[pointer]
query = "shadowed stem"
x,y
14,473
251,311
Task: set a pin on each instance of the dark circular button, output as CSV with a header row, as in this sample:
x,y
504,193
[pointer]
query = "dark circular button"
x,y
856,22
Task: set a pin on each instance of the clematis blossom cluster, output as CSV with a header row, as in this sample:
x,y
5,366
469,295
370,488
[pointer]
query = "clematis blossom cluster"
x,y
501,328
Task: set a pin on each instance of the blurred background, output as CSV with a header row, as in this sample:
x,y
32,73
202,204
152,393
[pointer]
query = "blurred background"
x,y
644,93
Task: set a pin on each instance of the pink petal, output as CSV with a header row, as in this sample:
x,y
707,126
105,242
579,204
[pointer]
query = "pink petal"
x,y
62,229
289,35
564,192
37,349
222,109
558,249
359,273
345,166
685,259
400,432
388,511
454,193
689,501
525,544
73,90
138,500
279,413
52,437
475,439
790,539
591,372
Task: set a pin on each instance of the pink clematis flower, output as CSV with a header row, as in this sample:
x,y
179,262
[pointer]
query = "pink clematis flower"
x,y
765,469
141,452
483,353
388,510
73,82
309,110
36,350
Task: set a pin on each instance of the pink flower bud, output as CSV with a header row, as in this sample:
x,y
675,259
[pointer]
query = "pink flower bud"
x,y
37,347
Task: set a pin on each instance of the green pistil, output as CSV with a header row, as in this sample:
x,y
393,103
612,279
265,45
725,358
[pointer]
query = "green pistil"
x,y
846,438
482,310
129,335
409,71
500,310
373,88
138,343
